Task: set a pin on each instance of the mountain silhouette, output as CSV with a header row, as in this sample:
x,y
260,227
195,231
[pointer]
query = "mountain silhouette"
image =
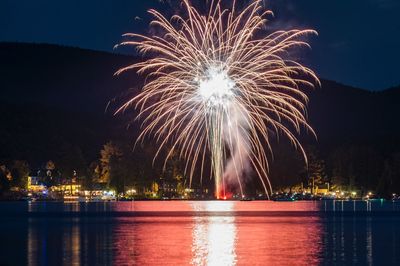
x,y
52,95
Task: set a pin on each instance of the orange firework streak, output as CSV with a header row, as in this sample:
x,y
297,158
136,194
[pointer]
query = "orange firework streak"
x,y
213,88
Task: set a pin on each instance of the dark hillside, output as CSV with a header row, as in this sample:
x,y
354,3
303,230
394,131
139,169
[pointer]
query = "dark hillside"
x,y
53,97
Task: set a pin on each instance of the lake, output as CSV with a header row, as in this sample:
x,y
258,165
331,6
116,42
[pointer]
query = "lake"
x,y
200,233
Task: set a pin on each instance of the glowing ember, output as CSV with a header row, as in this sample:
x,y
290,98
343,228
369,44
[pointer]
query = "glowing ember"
x,y
214,88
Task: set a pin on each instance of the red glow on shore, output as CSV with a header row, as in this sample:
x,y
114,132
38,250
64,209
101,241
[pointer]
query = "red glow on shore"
x,y
223,194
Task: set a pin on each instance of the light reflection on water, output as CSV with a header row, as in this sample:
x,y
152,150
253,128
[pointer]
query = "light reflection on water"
x,y
213,234
214,238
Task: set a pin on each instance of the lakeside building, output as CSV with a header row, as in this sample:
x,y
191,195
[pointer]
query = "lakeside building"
x,y
35,185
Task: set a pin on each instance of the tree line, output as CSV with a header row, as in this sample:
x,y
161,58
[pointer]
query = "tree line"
x,y
119,166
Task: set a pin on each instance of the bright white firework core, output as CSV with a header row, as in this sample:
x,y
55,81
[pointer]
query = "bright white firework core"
x,y
216,87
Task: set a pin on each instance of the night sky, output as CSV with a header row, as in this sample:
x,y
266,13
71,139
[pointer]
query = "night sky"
x,y
358,42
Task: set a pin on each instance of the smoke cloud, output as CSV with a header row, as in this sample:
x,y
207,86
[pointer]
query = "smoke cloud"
x,y
236,137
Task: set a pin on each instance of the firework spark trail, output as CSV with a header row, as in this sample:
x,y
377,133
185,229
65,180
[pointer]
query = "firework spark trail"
x,y
213,88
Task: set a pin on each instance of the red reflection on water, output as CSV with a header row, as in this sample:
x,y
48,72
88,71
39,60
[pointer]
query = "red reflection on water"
x,y
217,239
153,241
278,240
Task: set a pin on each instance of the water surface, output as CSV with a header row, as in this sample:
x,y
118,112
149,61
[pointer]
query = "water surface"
x,y
200,233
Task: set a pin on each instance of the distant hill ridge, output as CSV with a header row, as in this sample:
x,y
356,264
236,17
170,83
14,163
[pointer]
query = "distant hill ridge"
x,y
41,81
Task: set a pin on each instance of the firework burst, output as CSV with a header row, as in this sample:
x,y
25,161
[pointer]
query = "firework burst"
x,y
215,90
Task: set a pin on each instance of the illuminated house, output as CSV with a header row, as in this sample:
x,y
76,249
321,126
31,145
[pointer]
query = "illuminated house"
x,y
67,189
35,185
321,189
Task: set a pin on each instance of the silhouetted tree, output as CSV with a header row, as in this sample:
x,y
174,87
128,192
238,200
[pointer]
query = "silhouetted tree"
x,y
316,168
20,171
396,172
93,176
355,167
49,174
386,180
72,164
287,166
109,155
4,179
